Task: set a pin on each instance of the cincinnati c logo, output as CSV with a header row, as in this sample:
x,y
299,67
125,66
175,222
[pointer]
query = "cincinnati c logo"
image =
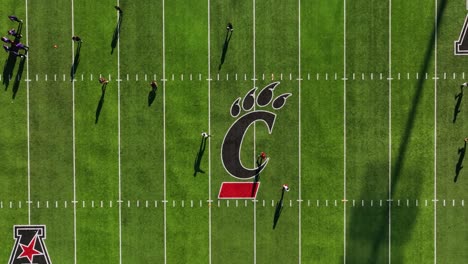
x,y
232,143
29,245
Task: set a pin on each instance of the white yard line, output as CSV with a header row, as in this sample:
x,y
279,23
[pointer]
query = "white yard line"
x,y
344,131
327,76
299,136
150,204
118,128
164,124
73,132
435,131
389,131
254,147
209,132
27,113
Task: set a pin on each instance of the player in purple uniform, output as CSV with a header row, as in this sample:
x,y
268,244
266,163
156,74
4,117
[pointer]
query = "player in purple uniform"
x,y
6,40
22,46
16,19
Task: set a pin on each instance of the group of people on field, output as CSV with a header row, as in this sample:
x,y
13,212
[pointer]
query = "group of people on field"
x,y
13,45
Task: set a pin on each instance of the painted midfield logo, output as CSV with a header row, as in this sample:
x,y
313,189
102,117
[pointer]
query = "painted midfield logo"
x,y
230,151
29,246
461,45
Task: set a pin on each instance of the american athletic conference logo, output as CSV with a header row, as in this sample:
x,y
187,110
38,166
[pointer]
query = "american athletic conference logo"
x,y
29,245
232,143
461,45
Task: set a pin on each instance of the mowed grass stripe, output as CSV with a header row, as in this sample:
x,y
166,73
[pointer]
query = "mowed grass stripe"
x,y
322,127
51,124
367,131
187,234
322,130
281,145
322,38
186,118
226,221
50,108
367,171
276,21
412,130
238,59
96,143
13,145
451,225
322,234
141,110
238,56
96,139
141,130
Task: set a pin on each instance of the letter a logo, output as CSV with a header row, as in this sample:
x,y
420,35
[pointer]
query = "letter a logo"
x,y
461,45
29,245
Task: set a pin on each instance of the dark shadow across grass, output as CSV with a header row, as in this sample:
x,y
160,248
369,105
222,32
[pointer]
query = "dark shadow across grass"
x,y
369,225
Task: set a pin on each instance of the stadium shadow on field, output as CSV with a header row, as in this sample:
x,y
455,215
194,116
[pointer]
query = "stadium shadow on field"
x,y
100,104
368,226
18,78
76,61
116,35
198,159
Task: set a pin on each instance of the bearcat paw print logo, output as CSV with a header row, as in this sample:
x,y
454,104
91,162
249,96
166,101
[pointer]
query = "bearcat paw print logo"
x,y
232,143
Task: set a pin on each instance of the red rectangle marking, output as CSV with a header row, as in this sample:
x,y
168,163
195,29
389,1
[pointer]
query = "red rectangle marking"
x,y
238,190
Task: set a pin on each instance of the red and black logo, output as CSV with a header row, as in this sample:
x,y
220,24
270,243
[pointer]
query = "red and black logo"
x,y
232,143
230,153
29,245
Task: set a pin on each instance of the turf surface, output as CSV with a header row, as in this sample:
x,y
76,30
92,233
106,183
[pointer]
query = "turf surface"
x,y
129,158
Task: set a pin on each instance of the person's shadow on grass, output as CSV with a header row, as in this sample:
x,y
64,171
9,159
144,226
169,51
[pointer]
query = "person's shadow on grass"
x,y
256,179
116,35
255,183
279,209
18,78
8,69
76,61
456,110
198,159
459,166
11,61
152,95
18,35
101,103
225,48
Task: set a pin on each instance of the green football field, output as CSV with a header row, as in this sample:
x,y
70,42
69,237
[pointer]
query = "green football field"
x,y
370,142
